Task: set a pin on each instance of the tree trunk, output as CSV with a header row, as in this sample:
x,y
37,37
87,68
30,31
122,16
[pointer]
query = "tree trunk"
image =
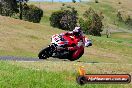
x,y
0,8
20,10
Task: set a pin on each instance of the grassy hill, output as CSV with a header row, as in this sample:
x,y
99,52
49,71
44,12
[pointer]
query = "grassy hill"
x,y
25,39
20,38
109,8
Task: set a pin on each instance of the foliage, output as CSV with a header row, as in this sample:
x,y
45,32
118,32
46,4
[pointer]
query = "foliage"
x,y
0,8
63,4
119,3
119,16
32,13
74,1
128,20
125,18
92,22
55,19
8,7
65,19
96,1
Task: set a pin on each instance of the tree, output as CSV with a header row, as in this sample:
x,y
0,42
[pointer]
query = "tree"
x,y
119,15
92,22
0,7
32,13
8,7
108,33
96,1
69,19
128,20
65,19
74,1
21,2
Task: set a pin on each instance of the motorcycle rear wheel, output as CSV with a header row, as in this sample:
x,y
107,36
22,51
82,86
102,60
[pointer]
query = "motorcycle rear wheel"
x,y
73,59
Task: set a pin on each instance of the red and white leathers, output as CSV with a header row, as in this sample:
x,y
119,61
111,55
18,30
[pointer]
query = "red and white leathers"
x,y
79,48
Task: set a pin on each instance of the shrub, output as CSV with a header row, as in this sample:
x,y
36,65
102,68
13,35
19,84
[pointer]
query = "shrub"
x,y
119,16
96,1
55,19
119,3
92,22
124,17
32,13
74,1
8,7
65,19
129,20
63,4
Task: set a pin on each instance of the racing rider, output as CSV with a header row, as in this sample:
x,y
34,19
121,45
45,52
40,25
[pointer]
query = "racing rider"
x,y
80,38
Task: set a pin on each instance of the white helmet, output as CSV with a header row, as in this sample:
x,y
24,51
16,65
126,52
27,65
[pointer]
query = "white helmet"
x,y
77,31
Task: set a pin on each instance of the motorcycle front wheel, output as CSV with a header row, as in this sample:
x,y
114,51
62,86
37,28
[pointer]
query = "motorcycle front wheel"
x,y
43,54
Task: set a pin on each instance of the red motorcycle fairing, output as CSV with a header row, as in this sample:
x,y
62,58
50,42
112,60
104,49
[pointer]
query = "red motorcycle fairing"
x,y
71,40
62,42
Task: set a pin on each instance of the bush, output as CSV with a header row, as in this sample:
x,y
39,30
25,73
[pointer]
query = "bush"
x,y
96,1
119,3
91,23
32,13
129,20
74,1
65,19
124,17
119,16
55,19
8,7
63,4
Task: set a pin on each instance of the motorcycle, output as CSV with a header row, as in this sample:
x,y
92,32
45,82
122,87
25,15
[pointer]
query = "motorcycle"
x,y
58,48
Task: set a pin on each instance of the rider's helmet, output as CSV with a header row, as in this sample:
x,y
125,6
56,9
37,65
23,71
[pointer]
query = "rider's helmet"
x,y
77,31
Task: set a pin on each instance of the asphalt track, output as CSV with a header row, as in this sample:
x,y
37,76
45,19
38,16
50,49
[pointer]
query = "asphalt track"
x,y
14,58
28,59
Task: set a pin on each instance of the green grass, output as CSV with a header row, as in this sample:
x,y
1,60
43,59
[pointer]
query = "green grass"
x,y
19,53
45,20
109,13
105,8
108,9
14,76
27,39
20,38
